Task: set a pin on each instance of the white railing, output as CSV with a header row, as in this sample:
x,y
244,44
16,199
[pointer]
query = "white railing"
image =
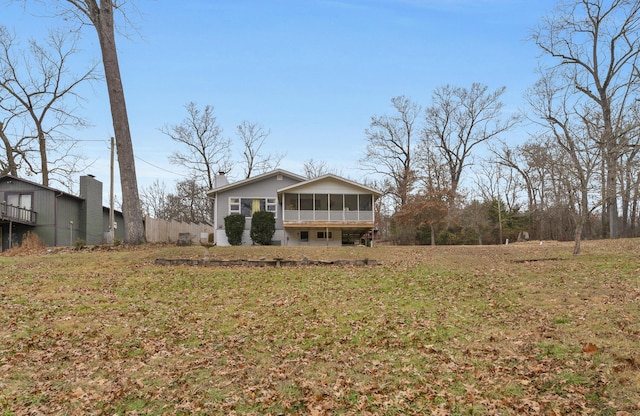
x,y
329,216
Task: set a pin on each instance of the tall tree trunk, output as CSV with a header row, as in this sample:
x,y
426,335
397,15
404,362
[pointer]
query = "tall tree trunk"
x,y
131,210
625,183
433,235
603,194
577,234
612,193
634,215
44,163
12,167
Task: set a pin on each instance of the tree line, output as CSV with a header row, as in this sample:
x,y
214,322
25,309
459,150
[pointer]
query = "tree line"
x,y
448,170
576,177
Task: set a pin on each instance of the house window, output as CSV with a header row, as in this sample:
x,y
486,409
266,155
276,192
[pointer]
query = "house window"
x,y
248,206
365,202
22,201
304,236
19,200
234,205
322,235
271,205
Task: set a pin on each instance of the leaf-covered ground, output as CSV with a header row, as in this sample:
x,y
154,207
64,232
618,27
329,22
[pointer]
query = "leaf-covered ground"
x,y
517,329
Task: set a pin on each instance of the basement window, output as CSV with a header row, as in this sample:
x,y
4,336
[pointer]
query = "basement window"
x,y
323,235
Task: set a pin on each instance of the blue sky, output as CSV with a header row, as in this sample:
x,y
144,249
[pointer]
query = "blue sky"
x,y
311,71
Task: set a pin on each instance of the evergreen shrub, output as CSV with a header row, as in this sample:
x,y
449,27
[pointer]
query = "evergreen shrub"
x,y
233,228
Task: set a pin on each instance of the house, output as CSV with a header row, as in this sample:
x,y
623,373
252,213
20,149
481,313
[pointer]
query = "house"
x,y
327,210
57,217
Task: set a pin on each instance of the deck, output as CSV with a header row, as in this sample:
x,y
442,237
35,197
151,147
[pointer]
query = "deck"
x,y
10,213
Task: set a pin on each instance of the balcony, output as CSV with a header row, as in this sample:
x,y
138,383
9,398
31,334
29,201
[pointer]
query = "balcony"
x,y
17,214
324,218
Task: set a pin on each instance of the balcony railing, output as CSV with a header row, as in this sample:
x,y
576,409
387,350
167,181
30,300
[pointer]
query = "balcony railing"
x,y
328,216
17,214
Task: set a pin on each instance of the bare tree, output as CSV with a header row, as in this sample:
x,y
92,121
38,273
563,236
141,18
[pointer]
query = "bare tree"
x,y
597,43
37,87
491,185
154,200
574,128
14,152
459,120
475,216
100,15
207,152
433,171
534,163
315,168
390,148
630,189
253,136
629,173
189,203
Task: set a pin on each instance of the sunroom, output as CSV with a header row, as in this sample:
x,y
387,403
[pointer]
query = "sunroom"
x,y
328,210
310,208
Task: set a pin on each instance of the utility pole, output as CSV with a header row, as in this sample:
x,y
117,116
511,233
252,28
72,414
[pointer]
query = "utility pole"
x,y
111,214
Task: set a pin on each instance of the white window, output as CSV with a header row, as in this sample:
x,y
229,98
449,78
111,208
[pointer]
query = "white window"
x,y
247,206
272,203
234,205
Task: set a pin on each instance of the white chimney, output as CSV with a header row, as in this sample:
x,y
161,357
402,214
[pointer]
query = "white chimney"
x,y
220,180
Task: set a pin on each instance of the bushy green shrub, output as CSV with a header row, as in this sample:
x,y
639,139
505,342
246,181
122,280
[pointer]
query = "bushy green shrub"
x,y
233,228
263,226
447,238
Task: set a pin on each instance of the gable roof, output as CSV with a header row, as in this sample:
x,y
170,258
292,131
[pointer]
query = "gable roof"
x,y
256,178
329,176
15,178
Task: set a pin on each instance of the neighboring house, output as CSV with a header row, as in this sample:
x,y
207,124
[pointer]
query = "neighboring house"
x,y
57,217
328,210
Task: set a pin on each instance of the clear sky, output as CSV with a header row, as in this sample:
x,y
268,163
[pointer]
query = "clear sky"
x,y
311,71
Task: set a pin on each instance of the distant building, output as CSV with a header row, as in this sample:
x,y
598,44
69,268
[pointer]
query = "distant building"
x,y
57,217
328,210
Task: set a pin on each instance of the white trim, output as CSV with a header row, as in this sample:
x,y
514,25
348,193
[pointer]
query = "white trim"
x,y
289,189
267,204
256,178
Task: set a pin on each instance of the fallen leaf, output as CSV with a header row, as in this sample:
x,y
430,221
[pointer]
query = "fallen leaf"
x,y
589,348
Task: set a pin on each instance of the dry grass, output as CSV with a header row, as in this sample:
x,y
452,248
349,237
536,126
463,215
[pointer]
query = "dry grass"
x,y
518,329
31,243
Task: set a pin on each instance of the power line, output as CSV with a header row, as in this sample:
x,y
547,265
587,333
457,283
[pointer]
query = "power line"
x,y
162,169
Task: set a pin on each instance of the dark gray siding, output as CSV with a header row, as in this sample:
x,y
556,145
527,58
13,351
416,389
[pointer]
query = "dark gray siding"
x,y
91,215
68,224
61,218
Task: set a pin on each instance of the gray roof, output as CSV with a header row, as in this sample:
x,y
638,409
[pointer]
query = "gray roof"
x,y
256,178
330,176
